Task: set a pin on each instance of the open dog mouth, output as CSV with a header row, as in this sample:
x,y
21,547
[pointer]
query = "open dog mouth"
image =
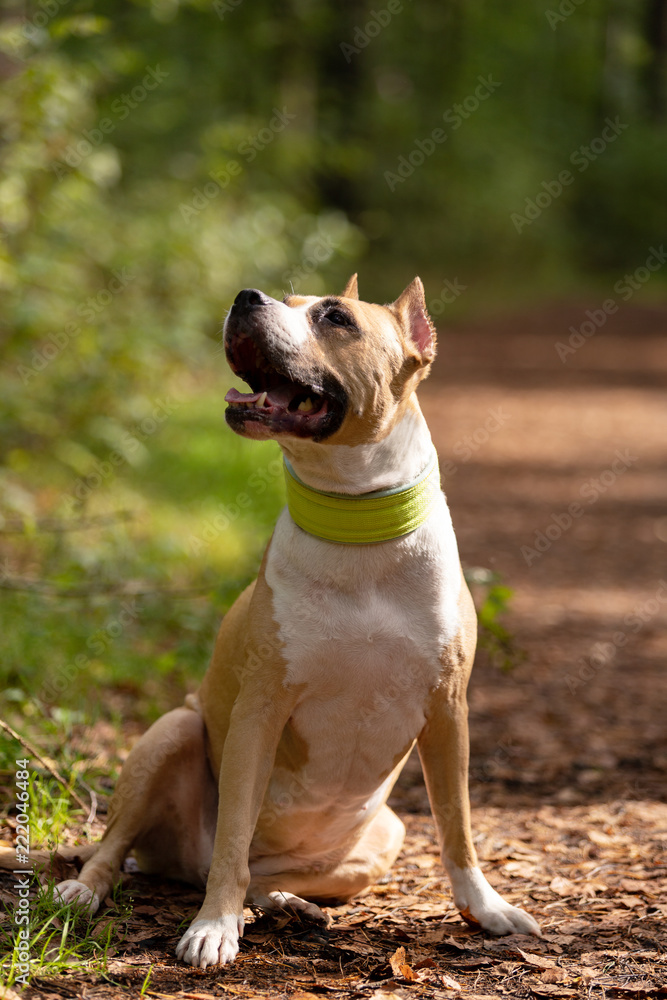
x,y
281,404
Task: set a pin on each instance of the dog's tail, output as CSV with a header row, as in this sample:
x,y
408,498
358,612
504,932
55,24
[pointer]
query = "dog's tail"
x,y
74,855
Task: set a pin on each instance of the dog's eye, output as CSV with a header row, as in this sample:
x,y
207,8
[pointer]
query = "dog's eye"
x,y
337,317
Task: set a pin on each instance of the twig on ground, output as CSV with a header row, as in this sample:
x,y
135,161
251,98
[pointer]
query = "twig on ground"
x,y
52,590
50,767
19,526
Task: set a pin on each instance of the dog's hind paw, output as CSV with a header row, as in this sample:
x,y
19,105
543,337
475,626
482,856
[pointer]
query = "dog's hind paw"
x,y
482,906
284,902
211,942
77,894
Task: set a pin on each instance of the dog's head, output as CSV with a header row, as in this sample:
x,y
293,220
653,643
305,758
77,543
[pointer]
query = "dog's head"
x,y
331,369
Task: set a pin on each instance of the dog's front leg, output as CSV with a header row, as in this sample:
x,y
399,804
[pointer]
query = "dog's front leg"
x,y
255,728
443,748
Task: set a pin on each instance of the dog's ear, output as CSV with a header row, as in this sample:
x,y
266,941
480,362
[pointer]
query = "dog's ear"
x,y
411,308
351,290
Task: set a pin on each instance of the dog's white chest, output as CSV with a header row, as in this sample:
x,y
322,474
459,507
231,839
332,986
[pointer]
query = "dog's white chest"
x,y
363,632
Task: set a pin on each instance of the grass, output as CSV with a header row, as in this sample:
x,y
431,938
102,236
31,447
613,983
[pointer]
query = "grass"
x,y
63,939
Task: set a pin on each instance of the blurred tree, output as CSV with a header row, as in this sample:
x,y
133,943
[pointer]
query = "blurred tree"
x,y
158,155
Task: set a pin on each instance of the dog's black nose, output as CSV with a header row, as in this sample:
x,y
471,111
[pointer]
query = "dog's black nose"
x,y
249,298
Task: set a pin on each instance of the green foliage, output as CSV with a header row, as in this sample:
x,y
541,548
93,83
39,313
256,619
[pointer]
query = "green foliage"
x,y
492,599
131,604
110,275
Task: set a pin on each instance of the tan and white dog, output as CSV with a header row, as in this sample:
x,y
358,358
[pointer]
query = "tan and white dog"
x,y
269,787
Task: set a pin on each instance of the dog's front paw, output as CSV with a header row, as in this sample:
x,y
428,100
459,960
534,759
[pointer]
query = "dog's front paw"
x,y
211,942
480,904
77,894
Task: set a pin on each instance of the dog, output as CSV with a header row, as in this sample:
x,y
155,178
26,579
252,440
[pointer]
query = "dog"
x,y
269,786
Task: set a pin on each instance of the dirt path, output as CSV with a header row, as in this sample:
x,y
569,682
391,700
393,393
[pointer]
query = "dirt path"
x,y
529,435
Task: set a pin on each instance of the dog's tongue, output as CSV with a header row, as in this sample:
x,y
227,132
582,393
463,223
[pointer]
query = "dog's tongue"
x,y
281,395
234,396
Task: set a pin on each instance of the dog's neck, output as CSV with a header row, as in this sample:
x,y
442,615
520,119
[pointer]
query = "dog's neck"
x,y
397,459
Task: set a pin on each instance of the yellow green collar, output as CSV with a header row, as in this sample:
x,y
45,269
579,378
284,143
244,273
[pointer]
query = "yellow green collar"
x,y
364,519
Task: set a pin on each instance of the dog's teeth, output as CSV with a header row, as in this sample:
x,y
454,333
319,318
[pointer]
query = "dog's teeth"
x,y
306,406
262,399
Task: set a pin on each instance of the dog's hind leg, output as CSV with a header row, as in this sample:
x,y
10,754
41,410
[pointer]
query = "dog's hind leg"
x,y
163,808
372,855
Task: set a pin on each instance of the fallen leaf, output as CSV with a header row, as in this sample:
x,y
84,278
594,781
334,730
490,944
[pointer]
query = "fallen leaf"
x,y
507,968
425,963
563,886
575,927
200,996
519,869
397,994
101,926
353,920
604,840
554,975
134,937
561,938
629,902
436,937
399,965
635,883
450,941
644,988
7,994
449,983
549,990
539,961
590,887
434,908
423,861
